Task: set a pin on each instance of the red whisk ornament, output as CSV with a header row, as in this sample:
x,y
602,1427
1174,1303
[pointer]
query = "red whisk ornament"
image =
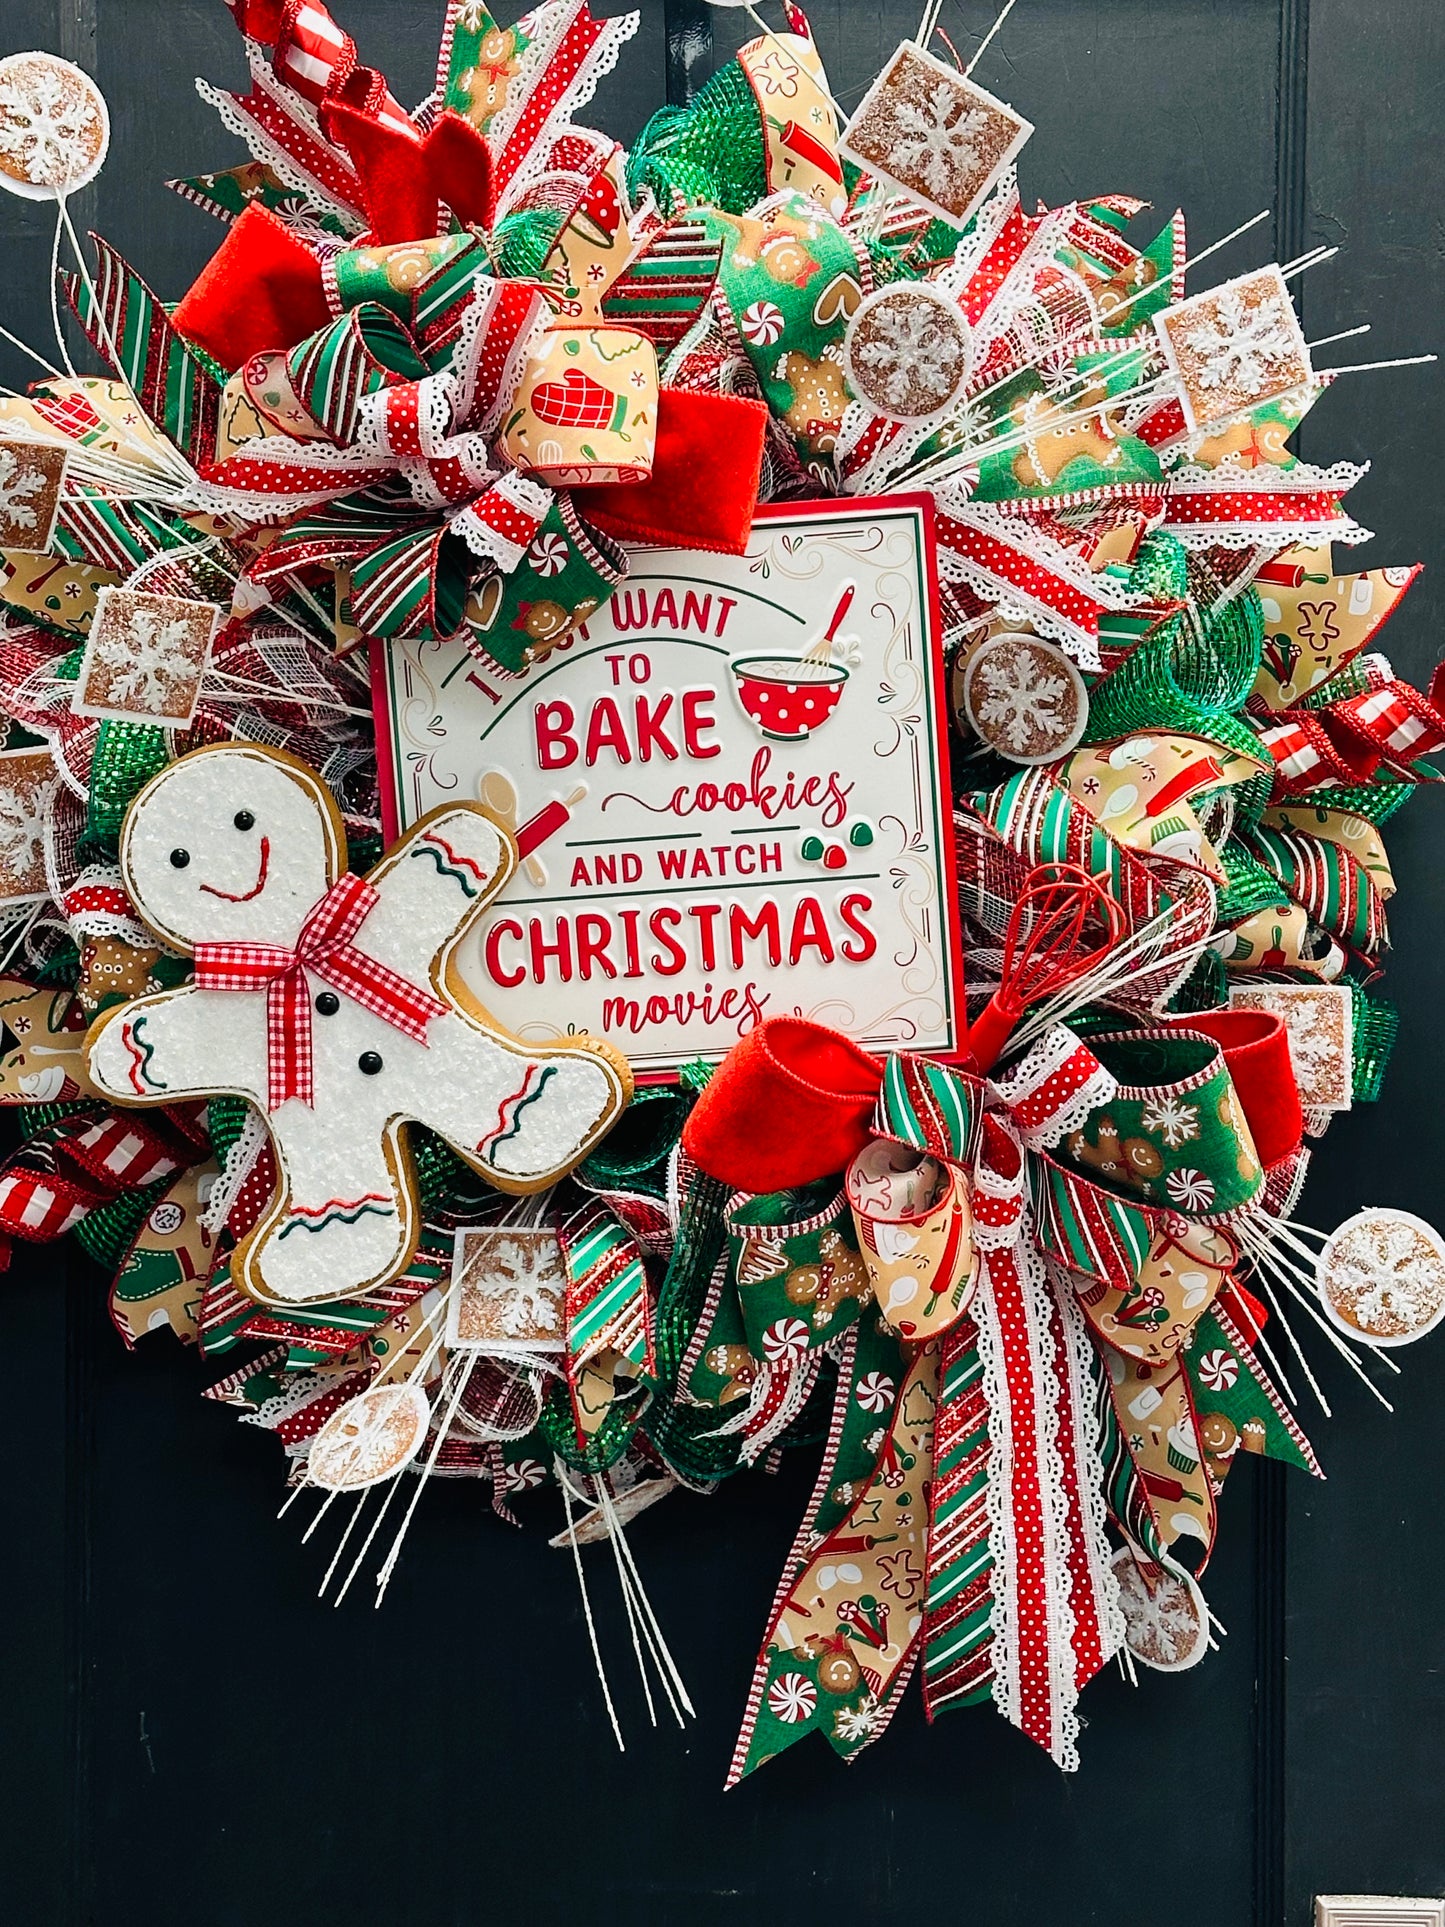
x,y
1064,923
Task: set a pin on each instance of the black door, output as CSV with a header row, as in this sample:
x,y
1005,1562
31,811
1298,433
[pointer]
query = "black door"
x,y
189,1737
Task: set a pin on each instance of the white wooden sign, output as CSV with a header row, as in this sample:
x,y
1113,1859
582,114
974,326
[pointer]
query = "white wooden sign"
x,y
730,789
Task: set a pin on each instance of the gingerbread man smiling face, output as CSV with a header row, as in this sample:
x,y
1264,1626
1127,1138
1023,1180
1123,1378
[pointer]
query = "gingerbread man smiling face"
x,y
329,1002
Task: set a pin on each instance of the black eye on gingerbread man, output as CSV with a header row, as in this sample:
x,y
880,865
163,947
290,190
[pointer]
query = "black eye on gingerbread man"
x,y
179,859
244,820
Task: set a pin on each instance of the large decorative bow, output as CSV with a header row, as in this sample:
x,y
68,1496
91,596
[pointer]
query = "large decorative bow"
x,y
395,481
325,948
1015,1347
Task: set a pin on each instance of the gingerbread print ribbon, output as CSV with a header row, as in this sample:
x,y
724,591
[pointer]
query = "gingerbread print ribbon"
x,y
325,947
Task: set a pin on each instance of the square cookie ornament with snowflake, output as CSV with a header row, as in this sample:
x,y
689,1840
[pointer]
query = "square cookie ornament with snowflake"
x,y
27,776
925,129
508,1292
729,790
31,477
1235,347
145,658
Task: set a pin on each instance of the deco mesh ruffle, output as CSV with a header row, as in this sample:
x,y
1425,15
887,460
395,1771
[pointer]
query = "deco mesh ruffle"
x,y
449,379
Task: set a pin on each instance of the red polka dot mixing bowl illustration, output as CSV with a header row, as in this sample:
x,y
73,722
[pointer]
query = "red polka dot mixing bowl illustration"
x,y
789,697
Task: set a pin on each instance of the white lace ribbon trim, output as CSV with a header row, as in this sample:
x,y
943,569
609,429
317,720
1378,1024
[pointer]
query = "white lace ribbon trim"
x,y
1052,1051
489,544
1080,1359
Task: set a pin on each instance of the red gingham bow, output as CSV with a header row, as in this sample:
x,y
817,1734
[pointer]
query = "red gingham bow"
x,y
324,946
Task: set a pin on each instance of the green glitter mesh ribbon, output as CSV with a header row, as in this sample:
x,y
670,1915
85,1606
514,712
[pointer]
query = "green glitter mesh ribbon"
x,y
1189,677
127,756
709,153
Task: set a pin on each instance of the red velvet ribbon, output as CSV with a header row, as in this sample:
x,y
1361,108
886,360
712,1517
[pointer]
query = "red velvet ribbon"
x,y
1255,1044
791,1102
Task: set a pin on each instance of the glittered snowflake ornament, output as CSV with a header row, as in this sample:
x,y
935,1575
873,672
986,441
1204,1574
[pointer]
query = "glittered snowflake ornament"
x,y
1382,1277
908,352
1319,1020
145,657
31,477
54,127
926,130
27,781
1166,1622
509,1283
1235,347
1023,697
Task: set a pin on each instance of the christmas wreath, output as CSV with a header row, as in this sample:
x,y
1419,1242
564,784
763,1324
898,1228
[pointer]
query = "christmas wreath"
x,y
1022,1274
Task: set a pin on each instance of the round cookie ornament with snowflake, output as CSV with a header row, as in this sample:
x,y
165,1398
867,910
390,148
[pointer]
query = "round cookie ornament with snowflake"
x,y
331,1002
54,127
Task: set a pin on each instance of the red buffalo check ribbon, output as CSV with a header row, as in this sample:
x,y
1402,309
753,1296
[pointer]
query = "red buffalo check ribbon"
x,y
325,947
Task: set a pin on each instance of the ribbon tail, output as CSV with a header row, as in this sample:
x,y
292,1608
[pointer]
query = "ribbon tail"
x,y
288,1039
1054,1618
844,1637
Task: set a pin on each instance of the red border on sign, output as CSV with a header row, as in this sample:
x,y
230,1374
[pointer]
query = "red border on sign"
x,y
948,861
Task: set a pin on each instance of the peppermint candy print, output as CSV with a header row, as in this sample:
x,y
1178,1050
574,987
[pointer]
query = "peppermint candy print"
x,y
1219,1370
792,1698
875,1391
548,554
785,1342
762,323
1189,1189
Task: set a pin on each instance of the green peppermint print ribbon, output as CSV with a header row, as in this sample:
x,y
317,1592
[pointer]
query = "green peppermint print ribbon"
x,y
793,1281
791,280
1174,1133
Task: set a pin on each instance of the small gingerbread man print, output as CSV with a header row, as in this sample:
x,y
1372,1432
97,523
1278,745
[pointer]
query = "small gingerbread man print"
x,y
330,1002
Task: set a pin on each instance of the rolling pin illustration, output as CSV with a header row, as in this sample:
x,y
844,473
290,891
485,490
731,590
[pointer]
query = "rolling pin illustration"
x,y
499,793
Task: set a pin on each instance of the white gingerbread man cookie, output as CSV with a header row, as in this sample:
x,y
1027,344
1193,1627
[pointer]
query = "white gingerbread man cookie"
x,y
330,1002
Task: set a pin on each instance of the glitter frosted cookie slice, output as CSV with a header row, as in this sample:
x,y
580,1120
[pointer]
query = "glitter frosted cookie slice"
x,y
27,781
926,130
54,127
1382,1277
1023,697
908,352
31,475
1235,347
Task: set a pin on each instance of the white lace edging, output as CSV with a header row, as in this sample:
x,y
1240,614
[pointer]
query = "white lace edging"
x,y
599,62
1011,606
1089,1429
1038,1301
1002,1630
264,147
240,1162
1051,1052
